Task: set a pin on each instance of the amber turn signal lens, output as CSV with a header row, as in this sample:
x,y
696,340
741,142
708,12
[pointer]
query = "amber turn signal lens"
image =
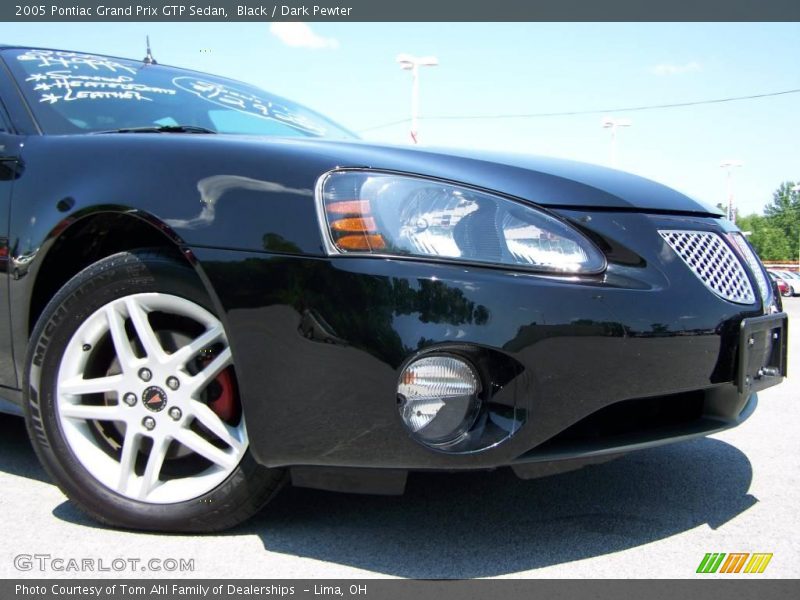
x,y
352,227
361,242
348,207
356,224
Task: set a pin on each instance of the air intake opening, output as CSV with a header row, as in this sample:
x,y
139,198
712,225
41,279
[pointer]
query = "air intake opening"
x,y
644,417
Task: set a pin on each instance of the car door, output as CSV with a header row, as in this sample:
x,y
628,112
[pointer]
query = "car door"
x,y
10,168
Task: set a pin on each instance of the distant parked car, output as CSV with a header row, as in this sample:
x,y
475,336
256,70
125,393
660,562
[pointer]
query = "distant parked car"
x,y
783,288
791,279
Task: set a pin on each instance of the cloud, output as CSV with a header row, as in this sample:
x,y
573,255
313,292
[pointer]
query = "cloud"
x,y
300,35
668,69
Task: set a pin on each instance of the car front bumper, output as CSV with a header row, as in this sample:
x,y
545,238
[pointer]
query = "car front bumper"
x,y
576,368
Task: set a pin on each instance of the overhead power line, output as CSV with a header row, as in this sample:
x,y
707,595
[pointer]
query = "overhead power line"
x,y
583,112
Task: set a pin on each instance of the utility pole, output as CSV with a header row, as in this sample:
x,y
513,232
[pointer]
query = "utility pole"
x,y
612,124
728,165
412,63
796,189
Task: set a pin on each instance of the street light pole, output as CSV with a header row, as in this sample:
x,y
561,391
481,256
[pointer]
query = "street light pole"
x,y
412,63
728,166
612,124
796,188
414,102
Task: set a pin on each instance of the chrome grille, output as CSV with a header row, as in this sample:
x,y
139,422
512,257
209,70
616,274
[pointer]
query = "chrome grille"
x,y
714,263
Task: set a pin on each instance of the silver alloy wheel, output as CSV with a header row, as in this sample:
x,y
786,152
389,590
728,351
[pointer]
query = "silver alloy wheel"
x,y
167,417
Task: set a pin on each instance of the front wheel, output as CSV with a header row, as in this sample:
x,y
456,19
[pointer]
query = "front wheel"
x,y
132,402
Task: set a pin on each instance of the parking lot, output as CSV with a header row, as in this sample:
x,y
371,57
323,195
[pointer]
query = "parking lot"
x,y
650,514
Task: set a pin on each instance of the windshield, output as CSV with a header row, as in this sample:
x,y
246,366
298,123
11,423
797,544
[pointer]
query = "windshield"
x,y
71,92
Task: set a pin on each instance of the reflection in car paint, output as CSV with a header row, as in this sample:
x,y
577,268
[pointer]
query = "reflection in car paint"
x,y
213,188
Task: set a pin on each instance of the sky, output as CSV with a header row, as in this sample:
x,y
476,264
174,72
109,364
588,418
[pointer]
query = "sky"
x,y
348,72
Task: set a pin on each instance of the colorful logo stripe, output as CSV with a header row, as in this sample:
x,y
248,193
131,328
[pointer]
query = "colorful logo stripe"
x,y
734,562
758,563
713,562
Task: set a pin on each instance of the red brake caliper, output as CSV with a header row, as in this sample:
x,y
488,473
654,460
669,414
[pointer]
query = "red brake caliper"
x,y
225,405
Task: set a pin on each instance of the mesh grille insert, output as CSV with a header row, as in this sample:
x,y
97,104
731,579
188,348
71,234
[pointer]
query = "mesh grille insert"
x,y
714,263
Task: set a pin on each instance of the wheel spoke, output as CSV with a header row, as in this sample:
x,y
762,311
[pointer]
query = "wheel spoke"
x,y
77,386
127,462
206,449
153,469
215,425
122,345
144,331
181,356
204,377
90,412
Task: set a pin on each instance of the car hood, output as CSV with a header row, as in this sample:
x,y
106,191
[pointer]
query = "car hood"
x,y
549,182
545,181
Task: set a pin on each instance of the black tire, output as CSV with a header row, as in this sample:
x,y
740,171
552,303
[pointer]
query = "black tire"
x,y
245,490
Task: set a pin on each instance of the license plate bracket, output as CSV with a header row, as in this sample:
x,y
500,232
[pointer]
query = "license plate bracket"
x,y
763,344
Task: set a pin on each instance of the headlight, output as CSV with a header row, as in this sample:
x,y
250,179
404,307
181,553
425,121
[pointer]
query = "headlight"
x,y
756,267
365,212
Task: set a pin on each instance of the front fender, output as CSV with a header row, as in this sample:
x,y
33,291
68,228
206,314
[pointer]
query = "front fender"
x,y
196,191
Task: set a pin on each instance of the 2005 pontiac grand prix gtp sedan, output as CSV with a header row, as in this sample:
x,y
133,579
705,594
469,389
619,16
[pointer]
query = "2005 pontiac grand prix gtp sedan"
x,y
209,291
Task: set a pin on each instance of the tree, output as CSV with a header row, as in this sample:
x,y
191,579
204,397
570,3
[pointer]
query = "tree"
x,y
783,215
776,235
785,200
770,242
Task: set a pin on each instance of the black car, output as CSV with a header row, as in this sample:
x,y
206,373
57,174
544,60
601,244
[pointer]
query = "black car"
x,y
211,291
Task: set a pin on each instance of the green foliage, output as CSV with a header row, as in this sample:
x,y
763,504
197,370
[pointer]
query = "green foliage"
x,y
776,235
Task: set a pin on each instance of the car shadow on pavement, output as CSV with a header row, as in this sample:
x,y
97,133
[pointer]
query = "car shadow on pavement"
x,y
491,523
484,523
16,453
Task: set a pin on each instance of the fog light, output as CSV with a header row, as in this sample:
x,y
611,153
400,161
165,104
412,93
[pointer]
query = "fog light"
x,y
438,398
